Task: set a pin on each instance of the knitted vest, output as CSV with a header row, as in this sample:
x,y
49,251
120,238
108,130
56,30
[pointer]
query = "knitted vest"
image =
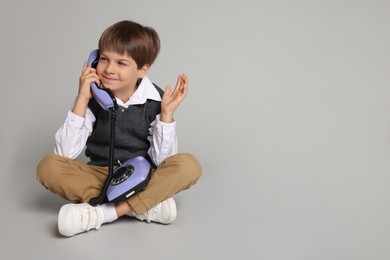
x,y
131,131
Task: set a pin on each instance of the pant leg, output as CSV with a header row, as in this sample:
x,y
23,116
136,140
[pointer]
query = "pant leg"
x,y
73,180
79,182
176,173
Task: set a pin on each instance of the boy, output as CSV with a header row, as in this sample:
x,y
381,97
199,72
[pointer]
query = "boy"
x,y
145,126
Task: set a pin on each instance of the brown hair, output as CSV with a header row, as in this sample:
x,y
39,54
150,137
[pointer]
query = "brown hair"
x,y
127,37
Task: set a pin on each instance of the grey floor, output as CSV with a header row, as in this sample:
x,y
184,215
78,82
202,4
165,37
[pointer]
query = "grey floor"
x,y
288,113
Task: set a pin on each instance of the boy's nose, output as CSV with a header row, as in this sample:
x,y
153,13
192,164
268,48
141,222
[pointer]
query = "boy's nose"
x,y
109,68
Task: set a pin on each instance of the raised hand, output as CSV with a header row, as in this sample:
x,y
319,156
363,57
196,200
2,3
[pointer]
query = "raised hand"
x,y
170,101
88,76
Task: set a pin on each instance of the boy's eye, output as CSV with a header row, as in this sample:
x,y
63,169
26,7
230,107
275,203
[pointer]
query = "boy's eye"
x,y
102,59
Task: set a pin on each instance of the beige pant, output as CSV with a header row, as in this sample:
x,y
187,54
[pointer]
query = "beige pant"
x,y
79,182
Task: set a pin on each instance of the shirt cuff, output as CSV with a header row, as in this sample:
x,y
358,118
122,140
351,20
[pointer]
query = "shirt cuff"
x,y
74,120
159,122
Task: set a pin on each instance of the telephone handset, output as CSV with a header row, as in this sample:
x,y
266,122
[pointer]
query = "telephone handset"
x,y
103,95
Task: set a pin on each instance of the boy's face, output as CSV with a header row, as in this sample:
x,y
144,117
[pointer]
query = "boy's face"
x,y
119,72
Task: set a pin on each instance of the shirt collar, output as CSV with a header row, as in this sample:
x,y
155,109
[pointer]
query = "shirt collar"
x,y
145,90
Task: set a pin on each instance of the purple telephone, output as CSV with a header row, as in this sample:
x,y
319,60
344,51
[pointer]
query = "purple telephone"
x,y
134,174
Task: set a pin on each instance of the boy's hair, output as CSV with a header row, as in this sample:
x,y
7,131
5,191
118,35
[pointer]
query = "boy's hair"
x,y
127,37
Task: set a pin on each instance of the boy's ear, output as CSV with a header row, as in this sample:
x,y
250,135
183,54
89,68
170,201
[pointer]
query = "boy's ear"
x,y
144,70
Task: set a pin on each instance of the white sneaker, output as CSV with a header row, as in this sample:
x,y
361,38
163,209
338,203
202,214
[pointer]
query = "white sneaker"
x,y
77,218
164,212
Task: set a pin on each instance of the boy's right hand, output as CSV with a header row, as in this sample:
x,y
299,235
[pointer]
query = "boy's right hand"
x,y
88,76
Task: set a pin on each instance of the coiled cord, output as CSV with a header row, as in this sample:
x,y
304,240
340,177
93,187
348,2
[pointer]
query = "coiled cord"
x,y
100,199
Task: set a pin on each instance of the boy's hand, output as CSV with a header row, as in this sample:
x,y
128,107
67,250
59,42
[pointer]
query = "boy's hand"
x,y
170,102
88,76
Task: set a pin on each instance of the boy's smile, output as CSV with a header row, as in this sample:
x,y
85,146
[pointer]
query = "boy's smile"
x,y
107,80
119,73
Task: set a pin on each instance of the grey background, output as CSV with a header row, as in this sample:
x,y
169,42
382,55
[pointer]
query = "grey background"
x,y
288,112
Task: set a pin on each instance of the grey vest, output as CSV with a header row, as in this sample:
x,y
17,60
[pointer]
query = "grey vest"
x,y
131,131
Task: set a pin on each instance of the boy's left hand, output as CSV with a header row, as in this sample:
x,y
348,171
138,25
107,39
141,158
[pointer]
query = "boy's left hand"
x,y
170,102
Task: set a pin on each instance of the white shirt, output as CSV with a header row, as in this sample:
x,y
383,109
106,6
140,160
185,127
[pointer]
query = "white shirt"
x,y
72,136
